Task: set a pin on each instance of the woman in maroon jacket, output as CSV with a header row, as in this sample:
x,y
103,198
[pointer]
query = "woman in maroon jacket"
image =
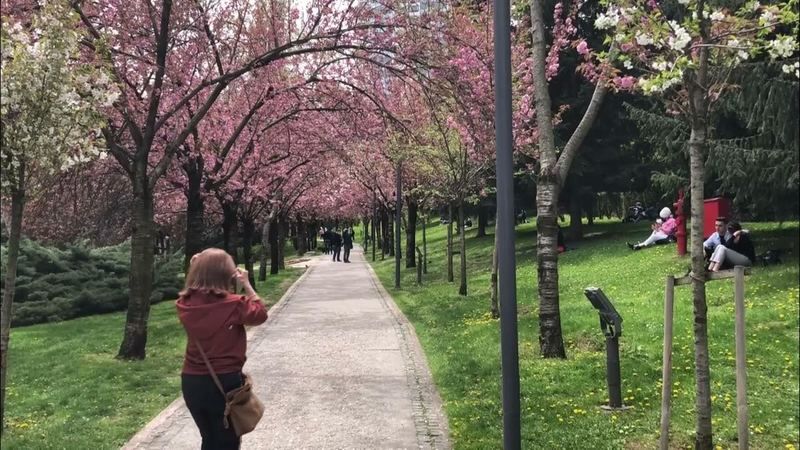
x,y
214,318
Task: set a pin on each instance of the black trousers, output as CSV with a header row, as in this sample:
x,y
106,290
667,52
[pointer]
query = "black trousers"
x,y
347,253
337,252
207,406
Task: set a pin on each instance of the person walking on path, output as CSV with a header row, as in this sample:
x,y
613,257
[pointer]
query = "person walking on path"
x,y
336,245
347,239
214,318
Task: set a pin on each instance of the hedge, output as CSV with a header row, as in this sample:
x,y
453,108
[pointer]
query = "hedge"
x,y
56,284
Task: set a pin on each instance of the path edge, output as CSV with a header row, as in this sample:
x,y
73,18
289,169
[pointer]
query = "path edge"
x,y
146,433
430,418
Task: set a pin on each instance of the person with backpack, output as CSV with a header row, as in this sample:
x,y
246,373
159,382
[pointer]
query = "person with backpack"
x,y
214,318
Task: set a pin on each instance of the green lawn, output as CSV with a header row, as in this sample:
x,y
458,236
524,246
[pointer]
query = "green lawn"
x,y
67,391
561,398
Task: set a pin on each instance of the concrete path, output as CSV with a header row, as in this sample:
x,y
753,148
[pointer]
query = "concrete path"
x,y
338,367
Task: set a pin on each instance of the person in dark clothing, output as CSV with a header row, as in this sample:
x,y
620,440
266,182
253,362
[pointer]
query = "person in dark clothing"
x,y
737,250
347,239
214,318
336,245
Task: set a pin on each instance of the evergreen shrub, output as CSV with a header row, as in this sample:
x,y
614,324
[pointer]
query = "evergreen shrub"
x,y
59,284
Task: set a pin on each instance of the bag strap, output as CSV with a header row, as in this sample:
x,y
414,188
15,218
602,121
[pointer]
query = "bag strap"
x,y
210,369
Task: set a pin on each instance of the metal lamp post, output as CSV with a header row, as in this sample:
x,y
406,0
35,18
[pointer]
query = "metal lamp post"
x,y
507,282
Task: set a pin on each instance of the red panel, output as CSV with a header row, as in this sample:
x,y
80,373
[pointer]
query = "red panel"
x,y
713,208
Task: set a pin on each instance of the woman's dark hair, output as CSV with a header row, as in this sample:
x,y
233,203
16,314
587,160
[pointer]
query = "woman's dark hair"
x,y
734,226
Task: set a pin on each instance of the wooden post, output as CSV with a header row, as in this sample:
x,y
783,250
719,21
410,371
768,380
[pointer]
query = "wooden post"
x,y
741,360
666,364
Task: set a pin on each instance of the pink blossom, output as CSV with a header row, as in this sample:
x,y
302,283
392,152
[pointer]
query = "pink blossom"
x,y
583,48
625,83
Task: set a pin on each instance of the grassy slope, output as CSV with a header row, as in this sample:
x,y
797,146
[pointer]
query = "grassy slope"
x,y
67,391
560,398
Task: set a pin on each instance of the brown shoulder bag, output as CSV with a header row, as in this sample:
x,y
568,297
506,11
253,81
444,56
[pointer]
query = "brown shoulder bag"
x,y
242,408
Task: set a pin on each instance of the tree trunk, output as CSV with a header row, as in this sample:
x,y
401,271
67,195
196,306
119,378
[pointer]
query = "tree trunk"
x,y
293,235
366,223
483,219
591,208
495,305
424,245
411,233
551,342
450,276
230,222
265,230
462,289
141,272
195,209
17,205
273,247
248,232
575,214
390,233
282,227
696,85
302,239
384,232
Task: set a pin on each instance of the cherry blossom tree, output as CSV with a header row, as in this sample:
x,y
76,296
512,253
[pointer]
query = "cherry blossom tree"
x,y
49,120
183,57
685,54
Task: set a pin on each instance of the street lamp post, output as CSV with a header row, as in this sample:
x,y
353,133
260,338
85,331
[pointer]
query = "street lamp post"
x,y
507,283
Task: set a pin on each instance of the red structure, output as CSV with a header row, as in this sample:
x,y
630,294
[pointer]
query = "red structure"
x,y
713,208
680,219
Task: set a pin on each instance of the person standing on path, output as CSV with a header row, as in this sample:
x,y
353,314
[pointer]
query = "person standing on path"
x,y
347,239
336,244
214,318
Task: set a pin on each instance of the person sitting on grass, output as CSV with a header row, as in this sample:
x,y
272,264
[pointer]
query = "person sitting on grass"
x,y
738,250
662,229
719,236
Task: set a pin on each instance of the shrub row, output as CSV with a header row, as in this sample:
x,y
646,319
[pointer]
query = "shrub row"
x,y
56,284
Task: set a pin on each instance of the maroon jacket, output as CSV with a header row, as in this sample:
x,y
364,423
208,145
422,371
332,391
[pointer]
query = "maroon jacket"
x,y
216,322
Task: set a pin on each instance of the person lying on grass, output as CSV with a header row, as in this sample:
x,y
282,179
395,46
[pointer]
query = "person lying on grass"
x,y
662,229
737,250
214,317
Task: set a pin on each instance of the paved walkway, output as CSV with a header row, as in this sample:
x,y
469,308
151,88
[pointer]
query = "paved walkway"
x,y
338,367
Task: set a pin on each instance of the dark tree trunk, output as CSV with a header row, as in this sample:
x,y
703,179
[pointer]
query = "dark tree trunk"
x,y
551,342
450,275
282,227
462,289
141,273
248,232
390,233
591,208
302,239
424,245
195,209
411,233
293,235
230,224
17,206
367,226
575,214
273,247
483,219
495,305
384,232
265,230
